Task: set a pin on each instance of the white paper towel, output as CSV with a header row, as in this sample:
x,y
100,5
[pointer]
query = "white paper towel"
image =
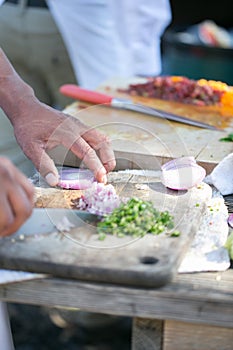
x,y
222,176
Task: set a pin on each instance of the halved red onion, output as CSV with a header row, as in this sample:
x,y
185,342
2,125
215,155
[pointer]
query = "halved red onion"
x,y
182,173
76,179
182,161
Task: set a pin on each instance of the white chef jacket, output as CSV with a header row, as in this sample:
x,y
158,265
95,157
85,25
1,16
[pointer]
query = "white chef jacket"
x,y
108,38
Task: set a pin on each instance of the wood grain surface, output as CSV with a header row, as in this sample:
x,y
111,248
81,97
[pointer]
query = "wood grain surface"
x,y
201,298
151,260
144,141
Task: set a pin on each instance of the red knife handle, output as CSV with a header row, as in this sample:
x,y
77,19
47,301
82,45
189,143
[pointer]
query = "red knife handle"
x,y
81,94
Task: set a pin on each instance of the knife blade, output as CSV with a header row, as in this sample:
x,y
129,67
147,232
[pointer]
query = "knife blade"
x,y
45,221
78,93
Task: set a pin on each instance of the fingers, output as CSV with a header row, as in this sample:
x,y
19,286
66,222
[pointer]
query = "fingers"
x,y
87,144
46,168
43,163
85,147
90,158
102,145
94,138
84,142
16,198
14,211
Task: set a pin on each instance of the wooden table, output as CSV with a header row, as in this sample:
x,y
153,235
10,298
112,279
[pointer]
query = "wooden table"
x,y
194,311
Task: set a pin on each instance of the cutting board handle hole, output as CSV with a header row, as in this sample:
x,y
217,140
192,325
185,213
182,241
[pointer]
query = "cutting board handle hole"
x,y
149,260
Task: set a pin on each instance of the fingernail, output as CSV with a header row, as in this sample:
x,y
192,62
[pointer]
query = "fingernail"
x,y
51,179
104,179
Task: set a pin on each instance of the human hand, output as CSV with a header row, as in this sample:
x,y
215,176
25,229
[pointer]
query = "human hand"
x,y
39,128
16,198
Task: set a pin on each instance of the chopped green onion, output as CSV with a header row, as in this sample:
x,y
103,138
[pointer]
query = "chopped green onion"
x,y
136,218
229,138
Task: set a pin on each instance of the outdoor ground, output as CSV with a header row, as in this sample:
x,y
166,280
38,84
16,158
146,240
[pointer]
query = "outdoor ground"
x,y
33,329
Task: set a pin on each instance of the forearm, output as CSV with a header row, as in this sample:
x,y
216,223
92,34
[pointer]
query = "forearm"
x,y
14,92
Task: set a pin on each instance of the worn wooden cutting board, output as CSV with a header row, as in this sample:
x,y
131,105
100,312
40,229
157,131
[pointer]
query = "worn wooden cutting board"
x,y
142,141
149,261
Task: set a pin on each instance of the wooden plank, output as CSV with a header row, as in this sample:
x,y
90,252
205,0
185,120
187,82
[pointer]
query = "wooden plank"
x,y
183,336
151,260
147,334
201,298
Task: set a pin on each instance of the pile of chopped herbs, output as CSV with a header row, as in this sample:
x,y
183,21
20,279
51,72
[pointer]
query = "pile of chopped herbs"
x,y
228,138
136,218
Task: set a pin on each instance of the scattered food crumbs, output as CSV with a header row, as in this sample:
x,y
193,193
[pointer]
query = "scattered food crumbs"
x,y
175,233
102,236
141,187
64,225
200,186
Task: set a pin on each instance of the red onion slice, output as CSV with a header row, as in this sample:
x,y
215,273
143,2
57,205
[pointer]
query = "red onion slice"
x,y
182,173
76,179
183,161
230,220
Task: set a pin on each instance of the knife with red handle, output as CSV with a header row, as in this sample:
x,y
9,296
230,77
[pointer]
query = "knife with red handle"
x,y
94,97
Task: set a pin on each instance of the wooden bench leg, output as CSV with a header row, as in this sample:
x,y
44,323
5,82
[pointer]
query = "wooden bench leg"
x,y
5,331
147,334
182,336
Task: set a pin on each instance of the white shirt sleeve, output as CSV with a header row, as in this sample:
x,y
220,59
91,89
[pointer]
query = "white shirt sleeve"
x,y
1,2
108,38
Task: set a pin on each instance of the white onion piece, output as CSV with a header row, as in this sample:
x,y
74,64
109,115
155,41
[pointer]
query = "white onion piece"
x,y
76,179
182,174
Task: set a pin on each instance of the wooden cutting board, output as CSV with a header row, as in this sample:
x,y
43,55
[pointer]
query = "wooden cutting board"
x,y
150,261
146,142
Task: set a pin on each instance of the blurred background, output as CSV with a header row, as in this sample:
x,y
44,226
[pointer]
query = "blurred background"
x,y
186,53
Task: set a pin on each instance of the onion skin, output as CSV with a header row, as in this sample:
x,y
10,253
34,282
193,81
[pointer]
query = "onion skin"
x,y
230,220
76,179
174,163
182,173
